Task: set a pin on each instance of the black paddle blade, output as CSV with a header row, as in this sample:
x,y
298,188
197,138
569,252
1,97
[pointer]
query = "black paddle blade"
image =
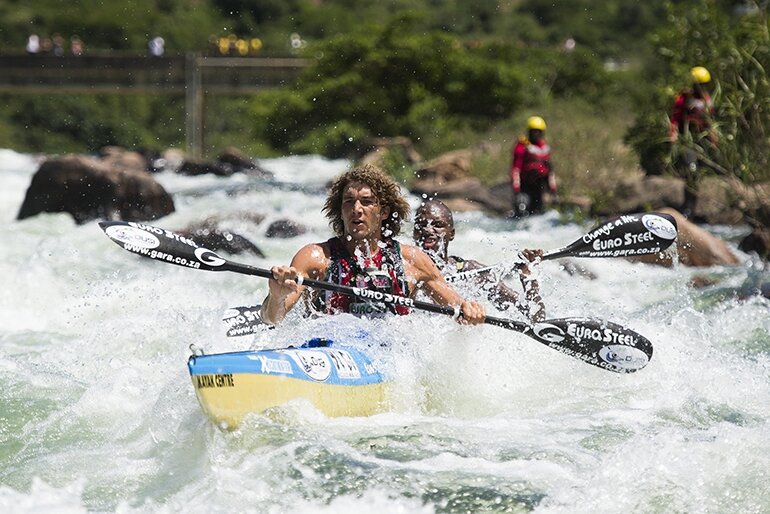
x,y
604,344
625,236
162,245
244,320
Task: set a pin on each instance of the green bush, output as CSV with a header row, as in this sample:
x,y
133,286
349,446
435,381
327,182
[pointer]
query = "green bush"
x,y
736,49
392,82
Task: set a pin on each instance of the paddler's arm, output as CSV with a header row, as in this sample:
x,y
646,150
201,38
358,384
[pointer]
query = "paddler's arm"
x,y
284,292
533,306
419,266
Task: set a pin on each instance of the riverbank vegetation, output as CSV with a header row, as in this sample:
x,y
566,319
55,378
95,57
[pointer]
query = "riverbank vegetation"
x,y
603,76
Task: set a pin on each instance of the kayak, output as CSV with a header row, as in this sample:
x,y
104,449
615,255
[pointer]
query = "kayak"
x,y
338,380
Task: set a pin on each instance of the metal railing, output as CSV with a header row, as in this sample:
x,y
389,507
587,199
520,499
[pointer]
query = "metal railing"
x,y
193,75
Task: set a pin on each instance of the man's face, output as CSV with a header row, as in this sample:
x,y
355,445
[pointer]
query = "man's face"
x,y
362,214
433,230
535,135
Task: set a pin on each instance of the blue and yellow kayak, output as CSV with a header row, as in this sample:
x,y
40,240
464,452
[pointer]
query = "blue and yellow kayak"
x,y
338,380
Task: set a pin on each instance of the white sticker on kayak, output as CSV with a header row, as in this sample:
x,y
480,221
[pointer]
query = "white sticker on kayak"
x,y
626,357
345,364
275,365
315,364
659,226
132,236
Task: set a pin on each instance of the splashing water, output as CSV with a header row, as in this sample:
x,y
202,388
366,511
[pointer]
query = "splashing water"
x,y
97,412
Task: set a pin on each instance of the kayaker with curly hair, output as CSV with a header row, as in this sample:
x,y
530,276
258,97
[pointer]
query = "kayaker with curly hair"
x,y
365,209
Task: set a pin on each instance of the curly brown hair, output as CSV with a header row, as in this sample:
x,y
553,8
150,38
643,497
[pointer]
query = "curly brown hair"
x,y
385,189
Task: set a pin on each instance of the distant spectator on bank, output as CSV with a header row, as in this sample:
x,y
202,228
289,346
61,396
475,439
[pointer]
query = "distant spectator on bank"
x,y
76,46
213,45
58,45
157,46
692,133
46,45
33,44
241,48
255,45
531,170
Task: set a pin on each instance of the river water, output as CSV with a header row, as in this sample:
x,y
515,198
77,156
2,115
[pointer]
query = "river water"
x,y
98,414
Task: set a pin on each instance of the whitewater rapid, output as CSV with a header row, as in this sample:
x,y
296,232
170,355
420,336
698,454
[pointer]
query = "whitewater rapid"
x,y
98,414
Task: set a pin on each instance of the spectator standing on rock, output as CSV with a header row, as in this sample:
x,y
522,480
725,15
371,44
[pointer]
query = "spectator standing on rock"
x,y
531,171
692,134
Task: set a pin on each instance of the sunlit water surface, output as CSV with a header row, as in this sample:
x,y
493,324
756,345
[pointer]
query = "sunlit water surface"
x,y
97,412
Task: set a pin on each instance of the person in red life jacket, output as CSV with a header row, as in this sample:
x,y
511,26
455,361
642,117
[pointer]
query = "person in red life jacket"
x,y
531,171
691,133
434,229
365,209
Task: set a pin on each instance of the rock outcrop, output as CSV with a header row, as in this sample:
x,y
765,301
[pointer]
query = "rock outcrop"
x,y
89,189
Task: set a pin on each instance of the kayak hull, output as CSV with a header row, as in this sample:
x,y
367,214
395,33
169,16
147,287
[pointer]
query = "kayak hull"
x,y
338,380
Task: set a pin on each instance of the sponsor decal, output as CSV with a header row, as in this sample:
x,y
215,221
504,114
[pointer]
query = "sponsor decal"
x,y
132,236
275,365
659,226
368,309
625,357
345,364
548,332
203,381
608,227
315,364
234,318
379,296
628,239
208,257
604,335
592,359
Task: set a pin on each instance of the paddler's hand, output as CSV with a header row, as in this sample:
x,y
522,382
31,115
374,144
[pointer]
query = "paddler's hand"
x,y
284,281
528,256
472,313
531,254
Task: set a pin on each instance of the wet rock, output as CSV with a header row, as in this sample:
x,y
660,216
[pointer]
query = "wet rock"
x,y
194,167
239,162
469,190
89,189
119,158
285,229
217,239
758,241
695,246
376,149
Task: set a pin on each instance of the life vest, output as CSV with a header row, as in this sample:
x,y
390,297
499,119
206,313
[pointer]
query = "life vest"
x,y
383,272
692,112
535,159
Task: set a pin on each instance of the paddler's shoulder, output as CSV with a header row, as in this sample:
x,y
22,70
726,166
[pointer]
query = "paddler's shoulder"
x,y
312,257
412,252
414,258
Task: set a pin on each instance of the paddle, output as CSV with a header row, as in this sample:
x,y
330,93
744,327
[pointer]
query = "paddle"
x,y
603,344
244,320
628,235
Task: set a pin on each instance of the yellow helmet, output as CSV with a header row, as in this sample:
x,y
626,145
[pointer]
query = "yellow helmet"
x,y
700,75
536,123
